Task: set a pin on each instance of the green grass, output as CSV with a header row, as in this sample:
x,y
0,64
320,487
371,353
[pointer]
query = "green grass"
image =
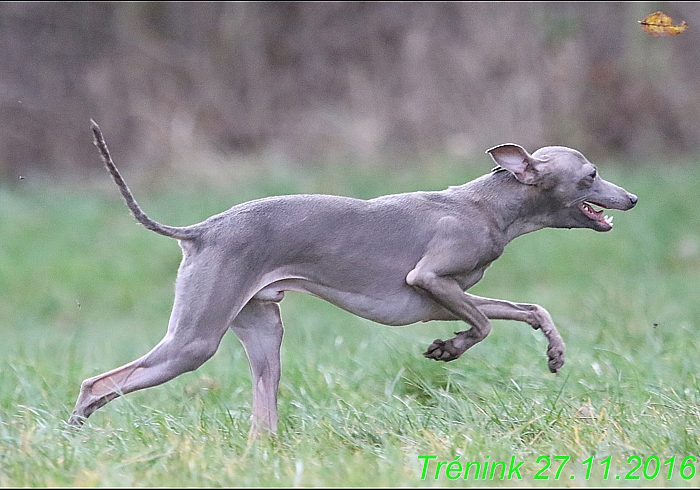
x,y
83,289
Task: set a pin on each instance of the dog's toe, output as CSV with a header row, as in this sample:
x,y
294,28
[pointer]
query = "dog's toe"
x,y
438,350
556,360
442,350
75,421
435,349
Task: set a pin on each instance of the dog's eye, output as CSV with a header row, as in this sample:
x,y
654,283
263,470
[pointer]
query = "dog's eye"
x,y
593,174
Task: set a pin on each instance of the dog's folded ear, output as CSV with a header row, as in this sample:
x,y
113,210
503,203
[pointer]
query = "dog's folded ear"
x,y
517,161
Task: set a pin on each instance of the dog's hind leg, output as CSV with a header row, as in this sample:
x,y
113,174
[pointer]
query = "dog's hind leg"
x,y
259,328
197,324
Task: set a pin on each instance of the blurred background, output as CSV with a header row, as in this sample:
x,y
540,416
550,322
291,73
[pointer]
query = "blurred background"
x,y
308,82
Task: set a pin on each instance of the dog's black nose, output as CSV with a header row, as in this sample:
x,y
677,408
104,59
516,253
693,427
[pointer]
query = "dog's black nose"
x,y
633,200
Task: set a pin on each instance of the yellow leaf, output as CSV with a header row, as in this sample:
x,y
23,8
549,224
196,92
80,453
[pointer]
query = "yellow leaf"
x,y
659,24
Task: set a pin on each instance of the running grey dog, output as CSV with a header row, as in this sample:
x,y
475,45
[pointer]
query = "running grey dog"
x,y
396,260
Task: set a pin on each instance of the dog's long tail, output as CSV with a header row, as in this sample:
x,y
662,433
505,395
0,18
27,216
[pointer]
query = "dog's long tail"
x,y
179,233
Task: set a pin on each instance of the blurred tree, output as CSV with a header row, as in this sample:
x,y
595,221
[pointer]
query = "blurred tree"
x,y
319,80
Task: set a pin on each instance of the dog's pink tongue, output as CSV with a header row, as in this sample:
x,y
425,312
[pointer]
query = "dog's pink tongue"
x,y
596,215
590,212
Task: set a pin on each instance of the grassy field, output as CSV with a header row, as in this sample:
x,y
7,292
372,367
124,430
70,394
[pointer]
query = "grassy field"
x,y
84,289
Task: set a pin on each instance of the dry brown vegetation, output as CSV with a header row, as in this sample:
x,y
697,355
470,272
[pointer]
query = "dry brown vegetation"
x,y
325,80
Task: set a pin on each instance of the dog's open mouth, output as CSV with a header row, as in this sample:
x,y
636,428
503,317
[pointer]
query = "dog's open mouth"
x,y
587,209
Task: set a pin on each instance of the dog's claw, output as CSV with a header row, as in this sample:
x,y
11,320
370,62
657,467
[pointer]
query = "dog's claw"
x,y
432,347
75,421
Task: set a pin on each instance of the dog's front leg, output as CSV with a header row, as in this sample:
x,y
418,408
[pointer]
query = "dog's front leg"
x,y
448,293
534,315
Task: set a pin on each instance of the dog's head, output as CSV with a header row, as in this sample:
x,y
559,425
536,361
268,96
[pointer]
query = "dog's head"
x,y
569,186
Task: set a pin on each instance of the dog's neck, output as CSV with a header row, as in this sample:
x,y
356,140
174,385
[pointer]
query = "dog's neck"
x,y
515,208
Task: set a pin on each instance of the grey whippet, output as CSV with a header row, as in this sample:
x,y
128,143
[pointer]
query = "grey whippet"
x,y
396,260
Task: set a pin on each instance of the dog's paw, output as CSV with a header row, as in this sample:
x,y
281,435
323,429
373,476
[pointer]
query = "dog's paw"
x,y
75,421
442,350
556,359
